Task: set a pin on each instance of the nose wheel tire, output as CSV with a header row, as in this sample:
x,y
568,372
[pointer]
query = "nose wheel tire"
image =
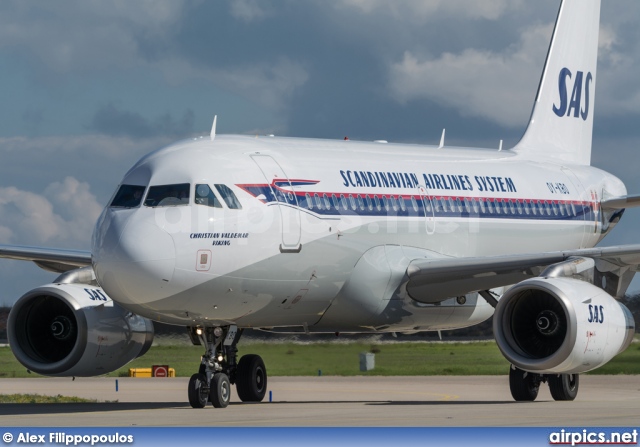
x,y
198,391
524,385
220,393
251,378
564,386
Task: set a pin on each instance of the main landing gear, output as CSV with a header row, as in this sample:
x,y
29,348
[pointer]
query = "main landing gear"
x,y
219,369
525,385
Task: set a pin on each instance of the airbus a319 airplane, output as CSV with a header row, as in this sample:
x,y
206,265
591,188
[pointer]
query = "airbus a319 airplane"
x,y
223,233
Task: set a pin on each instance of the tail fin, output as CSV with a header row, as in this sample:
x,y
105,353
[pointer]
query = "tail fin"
x,y
561,124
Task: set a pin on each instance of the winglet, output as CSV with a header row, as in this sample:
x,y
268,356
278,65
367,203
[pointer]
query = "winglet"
x,y
213,127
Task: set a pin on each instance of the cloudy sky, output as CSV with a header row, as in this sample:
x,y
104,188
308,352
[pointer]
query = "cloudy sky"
x,y
90,86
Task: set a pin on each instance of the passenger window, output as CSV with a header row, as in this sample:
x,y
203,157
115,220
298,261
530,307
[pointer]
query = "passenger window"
x,y
482,204
229,197
476,208
352,200
327,204
168,195
206,197
414,204
360,202
309,202
318,201
343,201
378,207
394,204
128,196
336,205
403,206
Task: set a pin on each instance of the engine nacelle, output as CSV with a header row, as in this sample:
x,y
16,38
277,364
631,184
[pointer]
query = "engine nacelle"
x,y
560,326
75,330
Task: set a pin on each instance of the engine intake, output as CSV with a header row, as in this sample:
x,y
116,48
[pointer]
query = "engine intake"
x,y
560,325
75,330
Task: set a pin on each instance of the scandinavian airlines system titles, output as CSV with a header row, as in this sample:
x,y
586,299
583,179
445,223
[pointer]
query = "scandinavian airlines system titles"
x,y
449,182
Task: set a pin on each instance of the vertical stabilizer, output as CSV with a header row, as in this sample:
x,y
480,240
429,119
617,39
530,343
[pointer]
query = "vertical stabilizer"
x,y
561,124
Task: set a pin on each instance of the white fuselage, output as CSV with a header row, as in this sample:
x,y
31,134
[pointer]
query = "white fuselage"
x,y
312,211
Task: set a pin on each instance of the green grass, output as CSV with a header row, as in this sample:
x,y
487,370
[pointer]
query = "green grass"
x,y
397,359
40,399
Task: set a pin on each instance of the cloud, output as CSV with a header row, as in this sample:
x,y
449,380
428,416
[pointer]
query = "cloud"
x,y
476,83
86,35
63,215
269,84
618,91
428,10
147,36
249,10
74,202
94,145
33,164
110,120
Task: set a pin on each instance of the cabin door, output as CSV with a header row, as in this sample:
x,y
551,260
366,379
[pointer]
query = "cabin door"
x,y
282,192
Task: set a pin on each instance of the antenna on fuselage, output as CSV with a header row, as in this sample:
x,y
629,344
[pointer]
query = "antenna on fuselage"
x,y
213,127
442,139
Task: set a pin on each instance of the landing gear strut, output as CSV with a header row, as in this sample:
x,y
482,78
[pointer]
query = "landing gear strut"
x,y
219,369
525,385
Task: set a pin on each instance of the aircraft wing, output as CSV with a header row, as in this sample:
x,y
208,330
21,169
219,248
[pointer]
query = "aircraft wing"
x,y
51,259
432,280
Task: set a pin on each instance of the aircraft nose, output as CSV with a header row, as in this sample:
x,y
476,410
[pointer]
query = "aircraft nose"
x,y
136,259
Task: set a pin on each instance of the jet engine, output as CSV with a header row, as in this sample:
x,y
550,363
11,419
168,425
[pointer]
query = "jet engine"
x,y
75,330
560,326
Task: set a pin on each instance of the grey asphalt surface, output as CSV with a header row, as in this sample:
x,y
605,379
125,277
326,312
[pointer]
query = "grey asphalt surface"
x,y
327,402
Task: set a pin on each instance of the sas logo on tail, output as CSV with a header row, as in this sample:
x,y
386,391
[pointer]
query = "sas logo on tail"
x,y
578,105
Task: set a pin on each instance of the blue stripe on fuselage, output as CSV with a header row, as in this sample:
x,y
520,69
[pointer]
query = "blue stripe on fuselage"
x,y
385,205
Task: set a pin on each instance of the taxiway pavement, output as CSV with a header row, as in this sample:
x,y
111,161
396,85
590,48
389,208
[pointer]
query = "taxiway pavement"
x,y
477,401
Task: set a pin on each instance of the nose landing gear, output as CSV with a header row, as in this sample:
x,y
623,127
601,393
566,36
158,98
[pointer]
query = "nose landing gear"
x,y
219,369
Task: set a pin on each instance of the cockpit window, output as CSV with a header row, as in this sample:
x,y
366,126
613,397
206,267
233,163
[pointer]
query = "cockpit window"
x,y
229,197
204,196
168,195
128,196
